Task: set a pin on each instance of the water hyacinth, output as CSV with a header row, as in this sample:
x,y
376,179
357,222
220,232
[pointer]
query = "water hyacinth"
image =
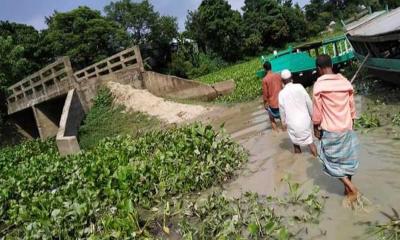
x,y
99,193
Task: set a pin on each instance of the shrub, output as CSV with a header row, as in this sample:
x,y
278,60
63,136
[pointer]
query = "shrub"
x,y
194,64
206,64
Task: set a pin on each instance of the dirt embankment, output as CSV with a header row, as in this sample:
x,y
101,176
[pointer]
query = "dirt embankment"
x,y
143,101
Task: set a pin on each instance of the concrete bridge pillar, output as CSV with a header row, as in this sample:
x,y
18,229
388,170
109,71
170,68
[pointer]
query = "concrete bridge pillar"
x,y
47,128
47,116
71,118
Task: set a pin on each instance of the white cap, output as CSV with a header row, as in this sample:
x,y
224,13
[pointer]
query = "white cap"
x,y
286,74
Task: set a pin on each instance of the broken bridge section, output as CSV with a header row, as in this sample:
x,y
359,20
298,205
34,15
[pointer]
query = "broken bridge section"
x,y
39,97
52,81
53,101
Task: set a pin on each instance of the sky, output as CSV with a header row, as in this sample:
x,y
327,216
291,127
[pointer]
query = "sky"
x,y
33,12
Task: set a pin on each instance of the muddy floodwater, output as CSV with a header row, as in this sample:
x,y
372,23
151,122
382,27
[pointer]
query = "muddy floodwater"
x,y
271,159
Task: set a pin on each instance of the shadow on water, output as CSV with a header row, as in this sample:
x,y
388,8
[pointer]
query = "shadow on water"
x,y
326,183
286,144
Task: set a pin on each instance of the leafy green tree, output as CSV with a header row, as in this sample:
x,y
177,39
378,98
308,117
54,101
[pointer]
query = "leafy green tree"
x,y
320,13
253,43
265,18
296,22
317,15
217,28
12,61
23,40
84,35
138,19
391,3
145,27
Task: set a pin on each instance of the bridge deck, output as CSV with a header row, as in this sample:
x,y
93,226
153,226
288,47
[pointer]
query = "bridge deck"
x,y
51,81
58,78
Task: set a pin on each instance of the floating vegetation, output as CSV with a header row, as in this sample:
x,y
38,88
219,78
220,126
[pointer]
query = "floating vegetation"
x,y
103,192
367,120
252,216
390,230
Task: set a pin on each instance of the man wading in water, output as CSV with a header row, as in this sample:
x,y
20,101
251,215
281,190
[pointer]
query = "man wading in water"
x,y
271,86
333,115
296,111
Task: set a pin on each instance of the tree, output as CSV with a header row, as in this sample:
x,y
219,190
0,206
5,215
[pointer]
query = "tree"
x,y
217,28
24,39
296,22
391,3
12,62
265,18
84,35
145,27
138,19
317,16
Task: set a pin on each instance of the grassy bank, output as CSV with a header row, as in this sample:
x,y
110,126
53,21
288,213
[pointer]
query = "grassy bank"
x,y
248,86
106,120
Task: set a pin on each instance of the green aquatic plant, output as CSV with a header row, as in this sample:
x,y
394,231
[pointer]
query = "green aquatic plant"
x,y
367,120
248,217
142,188
110,190
311,202
390,230
294,190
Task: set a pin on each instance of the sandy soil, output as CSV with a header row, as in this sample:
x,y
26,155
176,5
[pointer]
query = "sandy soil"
x,y
143,101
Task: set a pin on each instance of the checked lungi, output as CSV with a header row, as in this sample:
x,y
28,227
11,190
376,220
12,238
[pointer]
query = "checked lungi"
x,y
338,153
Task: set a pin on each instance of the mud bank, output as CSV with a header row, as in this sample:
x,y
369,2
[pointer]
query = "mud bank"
x,y
271,159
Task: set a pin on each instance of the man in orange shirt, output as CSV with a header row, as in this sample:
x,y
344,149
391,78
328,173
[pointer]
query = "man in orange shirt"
x,y
271,86
333,116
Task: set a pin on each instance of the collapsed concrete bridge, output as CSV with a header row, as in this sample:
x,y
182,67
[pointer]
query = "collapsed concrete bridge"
x,y
53,101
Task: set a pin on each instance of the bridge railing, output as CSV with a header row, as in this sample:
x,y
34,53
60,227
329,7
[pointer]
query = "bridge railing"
x,y
54,79
128,58
58,78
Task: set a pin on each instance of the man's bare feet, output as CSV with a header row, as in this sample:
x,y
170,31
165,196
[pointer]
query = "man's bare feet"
x,y
352,197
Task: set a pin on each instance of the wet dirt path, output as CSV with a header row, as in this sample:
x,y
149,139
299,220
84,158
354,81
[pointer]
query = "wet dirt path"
x,y
271,159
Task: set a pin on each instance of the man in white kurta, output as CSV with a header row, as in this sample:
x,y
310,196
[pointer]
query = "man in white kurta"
x,y
295,108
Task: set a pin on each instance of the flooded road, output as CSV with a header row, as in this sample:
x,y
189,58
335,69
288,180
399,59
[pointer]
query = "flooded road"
x,y
271,159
